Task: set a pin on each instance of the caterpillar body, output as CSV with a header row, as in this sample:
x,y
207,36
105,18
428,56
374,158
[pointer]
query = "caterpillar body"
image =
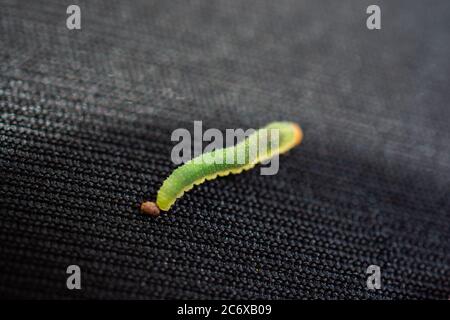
x,y
216,163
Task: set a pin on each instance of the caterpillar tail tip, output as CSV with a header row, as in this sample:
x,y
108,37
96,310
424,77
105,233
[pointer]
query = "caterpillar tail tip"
x,y
298,133
150,208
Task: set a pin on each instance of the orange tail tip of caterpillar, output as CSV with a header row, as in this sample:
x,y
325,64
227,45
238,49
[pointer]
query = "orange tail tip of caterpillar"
x,y
298,134
150,208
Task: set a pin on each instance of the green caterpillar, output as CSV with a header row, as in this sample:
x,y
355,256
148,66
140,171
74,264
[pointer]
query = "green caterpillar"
x,y
244,156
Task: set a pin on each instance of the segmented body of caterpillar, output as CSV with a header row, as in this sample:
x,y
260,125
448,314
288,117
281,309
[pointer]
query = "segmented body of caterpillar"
x,y
212,164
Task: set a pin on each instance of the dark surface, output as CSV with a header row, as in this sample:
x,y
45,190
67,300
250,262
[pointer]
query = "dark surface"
x,y
86,118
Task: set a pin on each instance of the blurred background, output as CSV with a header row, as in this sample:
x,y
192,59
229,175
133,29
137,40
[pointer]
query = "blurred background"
x,y
85,123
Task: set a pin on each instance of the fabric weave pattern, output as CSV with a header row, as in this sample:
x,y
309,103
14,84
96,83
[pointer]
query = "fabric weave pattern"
x,y
86,119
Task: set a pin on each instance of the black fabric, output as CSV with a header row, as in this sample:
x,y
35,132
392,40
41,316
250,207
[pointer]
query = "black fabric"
x,y
86,119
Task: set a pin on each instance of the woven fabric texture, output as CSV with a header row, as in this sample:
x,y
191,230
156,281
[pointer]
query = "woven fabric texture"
x,y
85,123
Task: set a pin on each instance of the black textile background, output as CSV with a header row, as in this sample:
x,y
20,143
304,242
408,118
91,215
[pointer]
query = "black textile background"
x,y
85,125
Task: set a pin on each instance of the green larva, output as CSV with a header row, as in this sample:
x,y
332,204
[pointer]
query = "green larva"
x,y
210,165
